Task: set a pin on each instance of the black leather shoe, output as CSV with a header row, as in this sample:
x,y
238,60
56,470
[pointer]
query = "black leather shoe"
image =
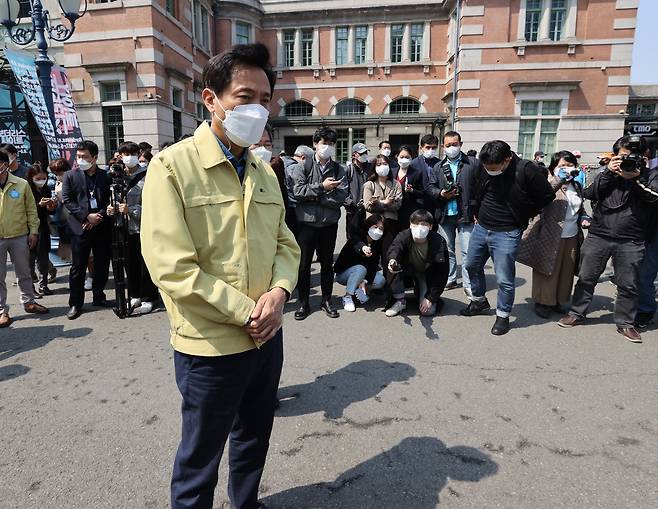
x,y
102,303
476,308
303,311
74,313
543,311
500,327
329,308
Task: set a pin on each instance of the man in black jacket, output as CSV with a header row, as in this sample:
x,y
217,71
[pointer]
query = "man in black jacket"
x,y
320,192
625,207
508,192
358,172
451,188
86,195
418,254
422,167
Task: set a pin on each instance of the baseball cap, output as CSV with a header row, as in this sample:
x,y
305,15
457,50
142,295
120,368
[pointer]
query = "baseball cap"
x,y
539,153
359,148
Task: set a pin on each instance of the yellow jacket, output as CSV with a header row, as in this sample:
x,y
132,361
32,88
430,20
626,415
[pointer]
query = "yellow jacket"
x,y
213,245
18,209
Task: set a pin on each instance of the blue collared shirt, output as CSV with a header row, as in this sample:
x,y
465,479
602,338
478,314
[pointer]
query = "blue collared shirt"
x,y
453,207
239,164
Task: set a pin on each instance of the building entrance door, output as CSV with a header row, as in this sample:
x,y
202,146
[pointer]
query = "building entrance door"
x,y
290,143
397,140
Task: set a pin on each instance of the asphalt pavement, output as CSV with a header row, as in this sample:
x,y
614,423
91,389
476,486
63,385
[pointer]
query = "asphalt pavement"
x,y
376,412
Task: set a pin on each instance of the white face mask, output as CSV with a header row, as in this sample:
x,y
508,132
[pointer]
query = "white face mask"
x,y
494,173
453,152
244,124
363,158
40,183
419,231
263,153
404,162
130,161
385,152
375,233
429,153
143,165
325,152
83,164
383,170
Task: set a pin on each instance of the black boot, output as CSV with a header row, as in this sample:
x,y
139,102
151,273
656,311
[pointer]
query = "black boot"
x,y
476,308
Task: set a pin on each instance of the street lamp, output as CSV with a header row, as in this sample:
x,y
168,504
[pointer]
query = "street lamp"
x,y
41,27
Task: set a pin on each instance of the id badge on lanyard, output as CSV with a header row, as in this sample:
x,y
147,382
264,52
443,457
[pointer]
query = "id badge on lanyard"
x,y
92,200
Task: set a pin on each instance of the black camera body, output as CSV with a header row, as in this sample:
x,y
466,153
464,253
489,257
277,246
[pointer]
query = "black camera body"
x,y
450,187
634,161
117,171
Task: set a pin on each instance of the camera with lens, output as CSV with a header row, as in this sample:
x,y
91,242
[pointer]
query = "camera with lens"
x,y
117,171
630,163
450,187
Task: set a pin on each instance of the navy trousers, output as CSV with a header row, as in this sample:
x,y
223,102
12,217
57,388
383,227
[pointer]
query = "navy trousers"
x,y
228,396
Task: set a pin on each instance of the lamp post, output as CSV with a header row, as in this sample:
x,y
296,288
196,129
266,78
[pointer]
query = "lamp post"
x,y
40,31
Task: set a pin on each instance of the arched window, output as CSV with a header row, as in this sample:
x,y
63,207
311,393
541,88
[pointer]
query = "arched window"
x,y
299,109
348,107
404,106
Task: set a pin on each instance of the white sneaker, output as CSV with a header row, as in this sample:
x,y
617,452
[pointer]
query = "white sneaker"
x,y
396,308
88,283
362,296
145,308
348,304
135,303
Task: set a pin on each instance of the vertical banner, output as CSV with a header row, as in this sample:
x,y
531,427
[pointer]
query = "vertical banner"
x,y
63,136
13,121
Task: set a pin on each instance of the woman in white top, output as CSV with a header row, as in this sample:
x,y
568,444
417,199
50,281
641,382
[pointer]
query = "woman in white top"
x,y
551,244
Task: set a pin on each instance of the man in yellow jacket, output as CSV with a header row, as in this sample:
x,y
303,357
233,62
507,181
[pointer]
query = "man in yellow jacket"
x,y
216,244
19,226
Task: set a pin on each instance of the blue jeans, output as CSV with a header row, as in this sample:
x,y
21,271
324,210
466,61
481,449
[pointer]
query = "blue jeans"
x,y
355,275
450,229
648,271
502,248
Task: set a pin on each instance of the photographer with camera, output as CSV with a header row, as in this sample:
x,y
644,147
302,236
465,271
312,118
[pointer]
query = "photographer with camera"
x,y
450,186
551,243
141,290
626,197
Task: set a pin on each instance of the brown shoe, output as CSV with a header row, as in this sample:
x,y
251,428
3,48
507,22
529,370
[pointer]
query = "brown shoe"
x,y
568,321
34,308
630,333
5,320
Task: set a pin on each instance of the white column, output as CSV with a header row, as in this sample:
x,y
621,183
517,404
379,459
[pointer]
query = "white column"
x,y
426,41
316,46
332,46
279,47
350,45
570,22
520,36
298,48
370,45
545,23
387,43
406,43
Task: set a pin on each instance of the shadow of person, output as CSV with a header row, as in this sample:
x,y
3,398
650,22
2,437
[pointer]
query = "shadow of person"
x,y
12,371
411,475
23,339
334,392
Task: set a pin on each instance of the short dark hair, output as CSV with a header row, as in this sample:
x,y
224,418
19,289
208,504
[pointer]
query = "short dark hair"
x,y
166,144
495,152
372,221
452,134
59,165
563,154
326,134
472,153
384,141
128,147
9,148
429,139
625,141
219,70
421,216
4,156
147,155
88,145
270,132
184,137
406,148
144,146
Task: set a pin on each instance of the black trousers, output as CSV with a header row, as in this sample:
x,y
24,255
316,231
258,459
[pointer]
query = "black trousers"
x,y
626,257
140,284
39,256
291,220
97,241
391,230
322,240
231,395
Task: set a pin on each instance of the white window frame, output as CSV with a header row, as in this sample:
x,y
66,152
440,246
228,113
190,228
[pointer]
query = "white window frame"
x,y
568,29
540,98
235,24
198,28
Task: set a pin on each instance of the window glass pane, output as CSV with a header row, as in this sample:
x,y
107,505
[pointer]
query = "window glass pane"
x,y
243,33
342,146
289,48
416,46
360,43
558,15
111,91
177,97
299,109
342,34
171,7
647,110
307,47
550,108
178,125
350,107
532,19
529,107
404,106
397,34
527,130
112,128
548,136
205,32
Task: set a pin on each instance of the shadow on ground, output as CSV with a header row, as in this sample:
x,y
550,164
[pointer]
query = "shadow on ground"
x,y
334,392
15,341
411,475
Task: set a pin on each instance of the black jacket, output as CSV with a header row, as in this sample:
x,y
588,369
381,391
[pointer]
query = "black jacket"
x,y
467,170
623,209
437,253
411,200
423,168
356,178
76,197
528,190
352,255
42,212
315,206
